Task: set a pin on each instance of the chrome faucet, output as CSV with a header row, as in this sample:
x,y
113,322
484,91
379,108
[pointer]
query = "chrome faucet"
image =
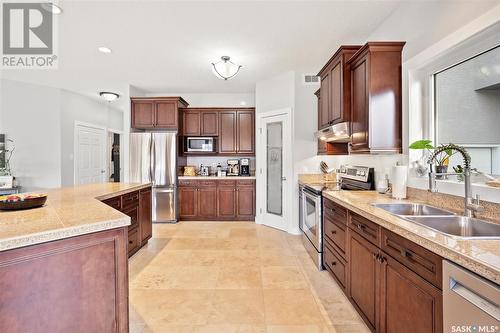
x,y
471,207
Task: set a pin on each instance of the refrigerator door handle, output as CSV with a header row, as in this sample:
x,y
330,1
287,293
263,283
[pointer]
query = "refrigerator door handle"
x,y
152,159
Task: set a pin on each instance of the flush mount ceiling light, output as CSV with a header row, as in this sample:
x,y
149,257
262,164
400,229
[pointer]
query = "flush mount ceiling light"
x,y
50,7
109,96
104,49
225,68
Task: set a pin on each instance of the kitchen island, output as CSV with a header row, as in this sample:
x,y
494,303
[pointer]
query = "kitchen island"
x,y
63,267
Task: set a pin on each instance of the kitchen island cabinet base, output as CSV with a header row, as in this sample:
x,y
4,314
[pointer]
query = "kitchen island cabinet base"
x,y
78,284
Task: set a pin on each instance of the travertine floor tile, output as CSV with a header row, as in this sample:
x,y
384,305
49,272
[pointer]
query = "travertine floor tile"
x,y
188,277
281,277
291,307
229,329
297,329
237,307
239,278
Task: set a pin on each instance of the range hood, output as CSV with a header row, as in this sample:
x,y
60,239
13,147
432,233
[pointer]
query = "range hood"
x,y
335,133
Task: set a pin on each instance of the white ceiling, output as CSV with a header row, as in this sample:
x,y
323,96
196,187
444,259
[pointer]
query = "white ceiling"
x,y
166,46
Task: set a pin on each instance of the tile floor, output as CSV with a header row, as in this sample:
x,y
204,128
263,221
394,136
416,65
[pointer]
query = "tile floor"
x,y
233,277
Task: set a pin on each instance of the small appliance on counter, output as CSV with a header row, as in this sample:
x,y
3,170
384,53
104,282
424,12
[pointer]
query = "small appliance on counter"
x,y
233,167
204,170
189,170
244,167
357,177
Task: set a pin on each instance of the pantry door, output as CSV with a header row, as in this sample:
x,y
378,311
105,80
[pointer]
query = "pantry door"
x,y
90,154
274,171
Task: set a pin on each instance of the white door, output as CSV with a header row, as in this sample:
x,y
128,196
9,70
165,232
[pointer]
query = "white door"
x,y
275,168
90,161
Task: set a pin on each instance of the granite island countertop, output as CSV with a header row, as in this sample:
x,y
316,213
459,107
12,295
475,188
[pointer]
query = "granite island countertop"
x,y
479,256
69,212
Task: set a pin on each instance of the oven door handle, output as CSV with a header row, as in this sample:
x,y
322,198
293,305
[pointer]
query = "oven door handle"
x,y
310,194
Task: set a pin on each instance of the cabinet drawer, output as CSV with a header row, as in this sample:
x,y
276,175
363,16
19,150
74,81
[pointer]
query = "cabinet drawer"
x,y
207,183
247,182
366,228
133,240
336,234
115,202
130,199
335,265
420,260
185,182
225,182
334,211
133,212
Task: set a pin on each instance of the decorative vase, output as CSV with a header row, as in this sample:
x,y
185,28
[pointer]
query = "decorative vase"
x,y
441,169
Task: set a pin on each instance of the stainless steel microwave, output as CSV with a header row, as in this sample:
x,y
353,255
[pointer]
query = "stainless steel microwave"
x,y
200,144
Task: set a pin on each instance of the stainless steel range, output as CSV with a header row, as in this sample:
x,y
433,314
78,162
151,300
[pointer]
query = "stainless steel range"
x,y
311,207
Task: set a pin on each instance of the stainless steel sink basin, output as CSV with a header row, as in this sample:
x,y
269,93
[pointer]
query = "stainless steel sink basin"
x,y
459,226
412,209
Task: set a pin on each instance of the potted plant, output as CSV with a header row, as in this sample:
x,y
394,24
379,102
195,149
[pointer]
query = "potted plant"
x,y
441,161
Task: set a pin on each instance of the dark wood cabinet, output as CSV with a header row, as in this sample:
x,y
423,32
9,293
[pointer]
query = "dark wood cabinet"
x,y
191,123
209,123
137,205
156,112
363,278
329,148
245,132
200,122
409,300
145,215
78,284
217,200
207,202
376,116
226,201
335,88
227,132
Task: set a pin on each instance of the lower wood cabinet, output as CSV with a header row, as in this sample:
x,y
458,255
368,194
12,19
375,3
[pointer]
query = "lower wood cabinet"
x,y
138,206
223,199
394,284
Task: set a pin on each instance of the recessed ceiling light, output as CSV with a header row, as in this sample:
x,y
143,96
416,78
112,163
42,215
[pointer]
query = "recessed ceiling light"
x,y
104,49
50,7
109,96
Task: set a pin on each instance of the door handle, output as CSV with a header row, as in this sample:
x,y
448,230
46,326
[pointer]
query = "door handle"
x,y
283,178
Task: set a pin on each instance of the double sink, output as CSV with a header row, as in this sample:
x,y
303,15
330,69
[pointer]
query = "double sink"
x,y
443,221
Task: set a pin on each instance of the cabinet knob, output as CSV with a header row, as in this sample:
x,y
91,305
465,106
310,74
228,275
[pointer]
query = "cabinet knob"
x,y
334,263
375,256
334,232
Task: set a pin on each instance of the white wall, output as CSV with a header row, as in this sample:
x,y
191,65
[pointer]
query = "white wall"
x,y
213,100
75,107
41,120
30,116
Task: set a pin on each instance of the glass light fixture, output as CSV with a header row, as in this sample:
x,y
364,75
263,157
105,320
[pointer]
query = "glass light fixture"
x,y
51,8
109,96
225,69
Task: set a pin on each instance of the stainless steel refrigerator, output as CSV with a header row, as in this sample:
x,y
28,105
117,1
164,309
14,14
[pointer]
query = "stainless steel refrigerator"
x,y
153,158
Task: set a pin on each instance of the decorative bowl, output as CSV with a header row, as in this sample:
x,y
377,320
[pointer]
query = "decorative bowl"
x,y
22,201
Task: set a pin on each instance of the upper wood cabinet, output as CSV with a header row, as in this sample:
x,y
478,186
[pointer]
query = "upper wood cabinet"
x,y
156,112
200,122
376,122
237,131
329,148
335,93
227,134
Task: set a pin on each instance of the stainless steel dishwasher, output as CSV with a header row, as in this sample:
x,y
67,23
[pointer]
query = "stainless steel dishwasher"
x,y
470,302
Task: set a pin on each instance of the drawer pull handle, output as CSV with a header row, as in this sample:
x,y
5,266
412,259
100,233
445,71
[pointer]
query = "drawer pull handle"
x,y
381,259
375,256
405,253
361,227
334,263
130,242
334,232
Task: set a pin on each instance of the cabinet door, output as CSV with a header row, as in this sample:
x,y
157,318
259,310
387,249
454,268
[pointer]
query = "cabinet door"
x,y
226,201
209,123
408,301
359,105
188,202
227,132
207,202
335,112
191,123
143,114
166,114
325,101
245,132
363,277
145,220
245,202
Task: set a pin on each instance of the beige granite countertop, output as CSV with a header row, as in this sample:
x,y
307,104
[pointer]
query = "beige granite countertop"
x,y
215,177
69,211
479,256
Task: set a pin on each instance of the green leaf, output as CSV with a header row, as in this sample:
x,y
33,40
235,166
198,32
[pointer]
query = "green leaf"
x,y
449,152
422,144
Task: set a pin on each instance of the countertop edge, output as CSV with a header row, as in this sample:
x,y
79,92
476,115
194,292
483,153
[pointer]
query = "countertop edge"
x,y
122,192
479,267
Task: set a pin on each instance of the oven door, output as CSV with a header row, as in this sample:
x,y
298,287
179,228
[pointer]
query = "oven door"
x,y
200,144
311,215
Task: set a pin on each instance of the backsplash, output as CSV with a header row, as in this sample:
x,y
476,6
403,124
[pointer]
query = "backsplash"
x,y
210,160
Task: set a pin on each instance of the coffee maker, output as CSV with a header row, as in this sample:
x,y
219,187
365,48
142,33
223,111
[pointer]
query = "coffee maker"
x,y
244,167
233,167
